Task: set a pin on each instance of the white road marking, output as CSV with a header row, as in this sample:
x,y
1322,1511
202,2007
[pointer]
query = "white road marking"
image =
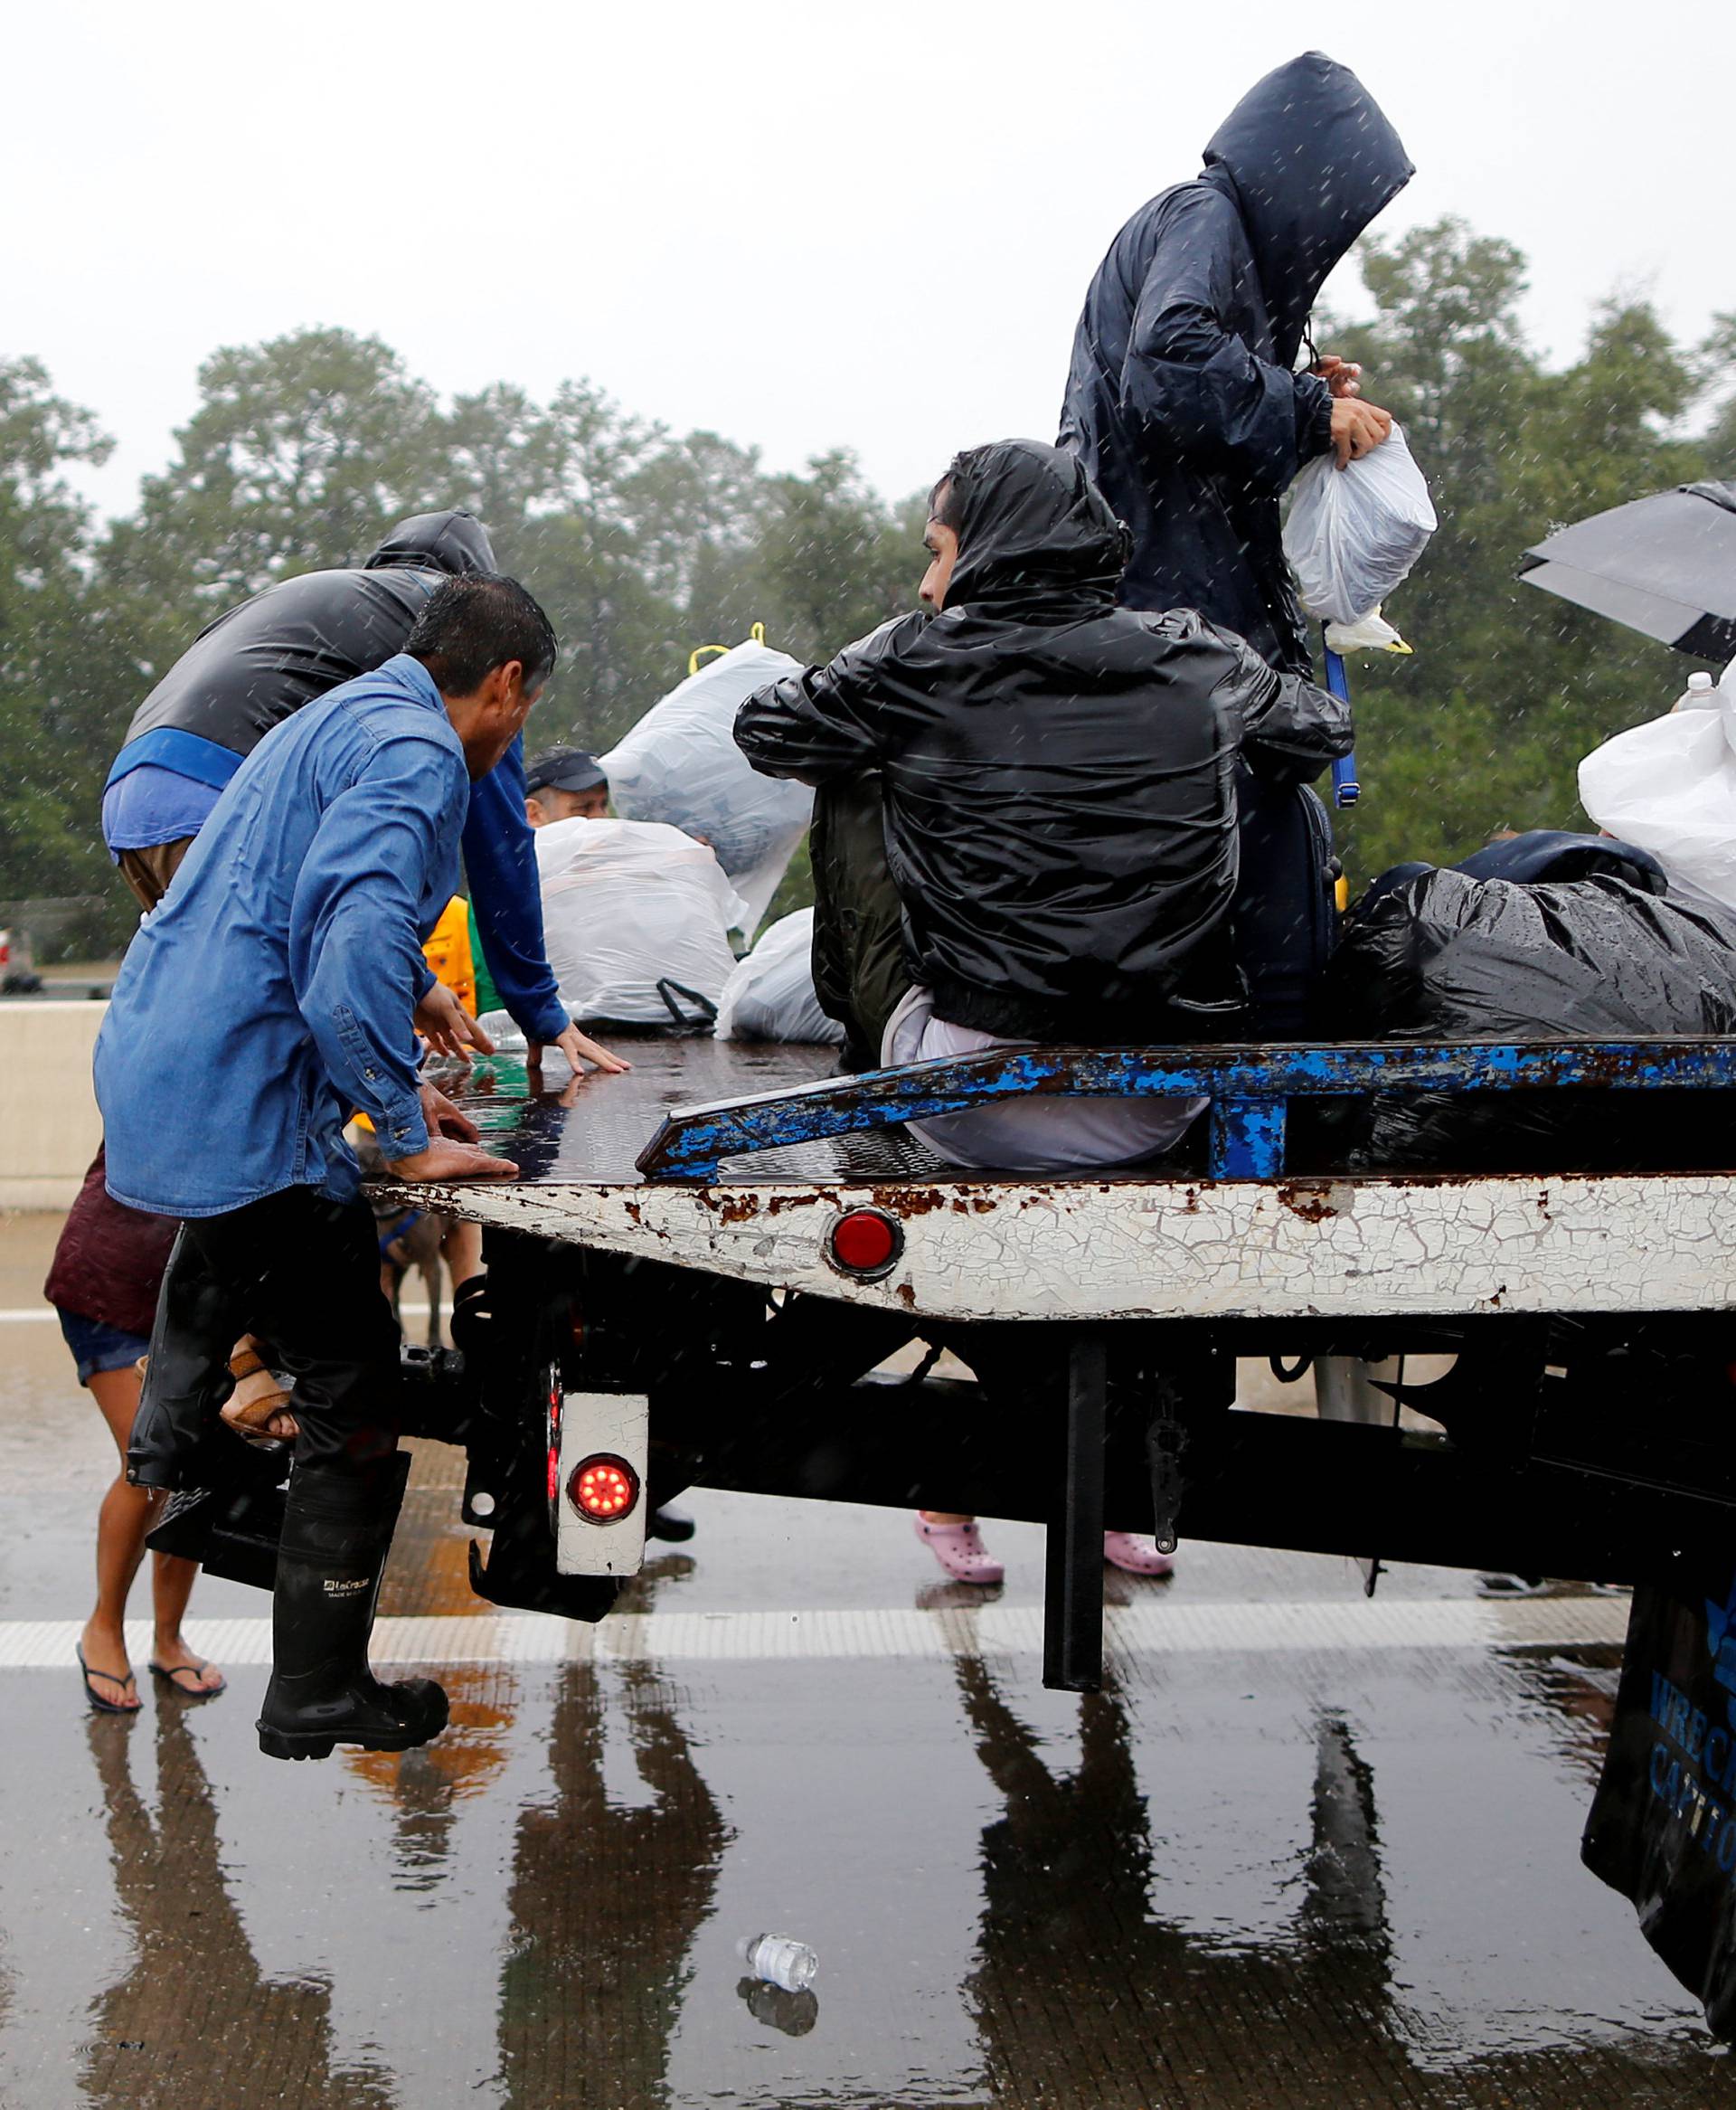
x,y
1239,1627
46,1314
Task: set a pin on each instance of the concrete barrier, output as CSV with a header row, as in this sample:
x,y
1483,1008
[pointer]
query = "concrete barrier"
x,y
49,1124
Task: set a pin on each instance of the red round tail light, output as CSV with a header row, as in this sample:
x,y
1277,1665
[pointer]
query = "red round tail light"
x,y
603,1488
865,1242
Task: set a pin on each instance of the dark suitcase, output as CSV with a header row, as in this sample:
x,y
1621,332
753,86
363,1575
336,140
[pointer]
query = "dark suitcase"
x,y
1285,911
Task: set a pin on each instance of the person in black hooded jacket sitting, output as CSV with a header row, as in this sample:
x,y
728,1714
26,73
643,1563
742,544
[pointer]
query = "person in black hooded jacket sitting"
x,y
1184,401
1058,780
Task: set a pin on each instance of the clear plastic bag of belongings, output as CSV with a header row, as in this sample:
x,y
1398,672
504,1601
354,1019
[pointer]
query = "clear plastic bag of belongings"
x,y
1352,536
1444,956
770,994
1670,786
636,915
679,764
505,1031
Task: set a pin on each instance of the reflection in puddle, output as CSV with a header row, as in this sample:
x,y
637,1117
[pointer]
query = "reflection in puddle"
x,y
793,2013
159,2036
605,1902
422,1788
1223,1882
1093,1957
1073,1925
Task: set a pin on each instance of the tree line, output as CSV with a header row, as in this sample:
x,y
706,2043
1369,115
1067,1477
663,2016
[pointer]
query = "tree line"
x,y
642,543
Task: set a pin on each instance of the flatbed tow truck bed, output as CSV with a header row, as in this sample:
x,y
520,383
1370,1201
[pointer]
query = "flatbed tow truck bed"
x,y
675,1237
1139,1245
706,1267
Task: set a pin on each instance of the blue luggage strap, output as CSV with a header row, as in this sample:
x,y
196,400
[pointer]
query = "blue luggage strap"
x,y
1249,1088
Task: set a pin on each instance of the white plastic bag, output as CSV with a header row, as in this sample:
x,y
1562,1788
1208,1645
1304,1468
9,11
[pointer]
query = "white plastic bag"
x,y
679,764
1669,787
1353,536
631,908
770,994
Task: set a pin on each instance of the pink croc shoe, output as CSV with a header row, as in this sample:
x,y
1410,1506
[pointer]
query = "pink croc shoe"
x,y
1136,1554
958,1547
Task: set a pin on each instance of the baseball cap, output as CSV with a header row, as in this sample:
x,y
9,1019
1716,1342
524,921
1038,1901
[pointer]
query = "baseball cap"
x,y
563,769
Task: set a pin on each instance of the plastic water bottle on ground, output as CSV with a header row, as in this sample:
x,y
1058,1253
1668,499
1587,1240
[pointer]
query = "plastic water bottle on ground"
x,y
1701,694
780,1960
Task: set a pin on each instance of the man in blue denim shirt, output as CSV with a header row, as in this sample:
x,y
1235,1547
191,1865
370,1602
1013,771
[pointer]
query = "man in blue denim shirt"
x,y
269,995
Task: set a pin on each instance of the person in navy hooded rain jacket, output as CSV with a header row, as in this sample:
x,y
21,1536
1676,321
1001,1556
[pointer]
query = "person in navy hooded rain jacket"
x,y
1185,404
1183,401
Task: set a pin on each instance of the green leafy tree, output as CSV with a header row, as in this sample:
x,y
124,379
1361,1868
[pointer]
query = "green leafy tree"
x,y
302,451
642,545
830,561
1483,729
55,672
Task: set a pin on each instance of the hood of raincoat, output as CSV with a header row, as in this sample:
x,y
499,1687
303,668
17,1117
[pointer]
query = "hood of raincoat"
x,y
452,541
1035,533
1312,158
262,660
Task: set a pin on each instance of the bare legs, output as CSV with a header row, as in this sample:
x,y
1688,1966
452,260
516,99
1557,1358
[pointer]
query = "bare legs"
x,y
121,1525
461,1249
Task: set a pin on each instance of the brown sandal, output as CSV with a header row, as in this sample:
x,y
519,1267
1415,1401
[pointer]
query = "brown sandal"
x,y
258,1394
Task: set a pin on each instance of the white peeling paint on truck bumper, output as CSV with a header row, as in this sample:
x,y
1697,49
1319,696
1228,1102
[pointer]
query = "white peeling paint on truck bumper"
x,y
609,1426
1166,1249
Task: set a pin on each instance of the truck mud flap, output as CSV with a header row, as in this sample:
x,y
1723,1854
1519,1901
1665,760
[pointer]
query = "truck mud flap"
x,y
230,1527
1663,1825
519,1573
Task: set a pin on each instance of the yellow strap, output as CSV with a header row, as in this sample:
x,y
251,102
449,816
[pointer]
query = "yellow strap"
x,y
758,633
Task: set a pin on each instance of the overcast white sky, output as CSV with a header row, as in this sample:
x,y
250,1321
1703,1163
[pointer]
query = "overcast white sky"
x,y
801,225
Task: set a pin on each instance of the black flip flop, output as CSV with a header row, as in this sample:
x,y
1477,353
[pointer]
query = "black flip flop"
x,y
173,1675
98,1703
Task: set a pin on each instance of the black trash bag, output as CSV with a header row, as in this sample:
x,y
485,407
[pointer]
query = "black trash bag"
x,y
1447,957
1663,1826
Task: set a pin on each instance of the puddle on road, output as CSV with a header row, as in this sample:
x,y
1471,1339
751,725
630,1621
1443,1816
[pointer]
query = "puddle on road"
x,y
1319,1881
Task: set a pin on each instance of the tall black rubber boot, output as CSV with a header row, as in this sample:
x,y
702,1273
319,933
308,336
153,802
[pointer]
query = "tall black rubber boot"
x,y
337,1530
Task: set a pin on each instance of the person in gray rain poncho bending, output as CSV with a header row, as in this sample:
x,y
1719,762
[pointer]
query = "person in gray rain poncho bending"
x,y
1060,807
1184,403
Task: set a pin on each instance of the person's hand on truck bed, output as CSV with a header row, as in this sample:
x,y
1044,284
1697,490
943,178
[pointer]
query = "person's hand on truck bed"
x,y
578,1048
452,1152
447,1027
446,1159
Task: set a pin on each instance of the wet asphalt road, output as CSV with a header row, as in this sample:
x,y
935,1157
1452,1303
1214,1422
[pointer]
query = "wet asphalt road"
x,y
1303,1852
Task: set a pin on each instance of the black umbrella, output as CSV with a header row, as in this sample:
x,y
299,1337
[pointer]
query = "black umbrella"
x,y
1664,565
